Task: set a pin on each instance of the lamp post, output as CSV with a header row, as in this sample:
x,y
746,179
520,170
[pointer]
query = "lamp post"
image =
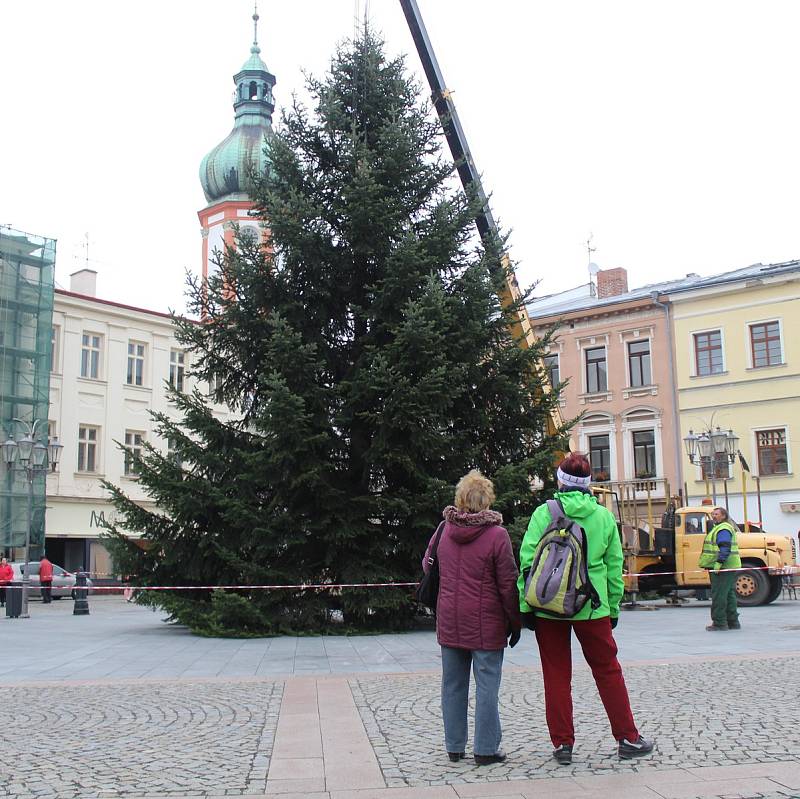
x,y
33,458
711,450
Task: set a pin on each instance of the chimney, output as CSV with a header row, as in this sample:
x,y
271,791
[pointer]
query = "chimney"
x,y
612,282
84,281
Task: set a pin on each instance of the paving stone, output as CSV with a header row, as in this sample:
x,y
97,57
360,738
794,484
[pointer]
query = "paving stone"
x,y
679,704
154,740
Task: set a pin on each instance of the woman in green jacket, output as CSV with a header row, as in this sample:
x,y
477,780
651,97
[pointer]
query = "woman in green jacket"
x,y
592,624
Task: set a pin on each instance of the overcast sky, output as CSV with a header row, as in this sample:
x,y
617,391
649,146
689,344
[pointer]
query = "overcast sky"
x,y
669,130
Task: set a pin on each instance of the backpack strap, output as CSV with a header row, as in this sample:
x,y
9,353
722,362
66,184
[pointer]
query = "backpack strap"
x,y
435,547
556,510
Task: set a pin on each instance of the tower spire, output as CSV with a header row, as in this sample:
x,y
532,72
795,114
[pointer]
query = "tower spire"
x,y
255,48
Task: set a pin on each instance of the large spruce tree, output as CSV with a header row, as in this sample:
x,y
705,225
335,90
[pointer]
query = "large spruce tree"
x,y
370,364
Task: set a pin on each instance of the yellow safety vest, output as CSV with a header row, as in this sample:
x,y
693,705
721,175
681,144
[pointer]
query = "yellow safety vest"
x,y
711,550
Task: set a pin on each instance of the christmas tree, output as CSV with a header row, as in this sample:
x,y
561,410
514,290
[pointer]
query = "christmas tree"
x,y
370,363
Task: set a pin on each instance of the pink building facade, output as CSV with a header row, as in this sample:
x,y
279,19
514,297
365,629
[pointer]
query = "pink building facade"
x,y
614,350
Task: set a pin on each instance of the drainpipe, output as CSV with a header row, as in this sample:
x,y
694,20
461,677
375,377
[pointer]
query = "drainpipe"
x,y
676,426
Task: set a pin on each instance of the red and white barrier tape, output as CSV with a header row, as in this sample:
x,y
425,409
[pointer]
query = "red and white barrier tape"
x,y
787,570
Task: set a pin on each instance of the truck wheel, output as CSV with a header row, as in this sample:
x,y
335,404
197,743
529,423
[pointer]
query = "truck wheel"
x,y
775,588
752,588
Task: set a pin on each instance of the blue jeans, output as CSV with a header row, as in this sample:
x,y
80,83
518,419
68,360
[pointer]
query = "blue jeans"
x,y
487,665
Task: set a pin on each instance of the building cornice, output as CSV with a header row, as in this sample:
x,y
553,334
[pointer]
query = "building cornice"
x,y
75,299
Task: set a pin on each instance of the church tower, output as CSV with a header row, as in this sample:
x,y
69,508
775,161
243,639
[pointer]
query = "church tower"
x,y
224,172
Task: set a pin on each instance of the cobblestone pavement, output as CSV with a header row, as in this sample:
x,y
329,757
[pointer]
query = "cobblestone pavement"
x,y
699,713
156,739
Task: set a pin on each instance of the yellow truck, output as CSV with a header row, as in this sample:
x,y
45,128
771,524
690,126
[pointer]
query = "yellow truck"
x,y
665,557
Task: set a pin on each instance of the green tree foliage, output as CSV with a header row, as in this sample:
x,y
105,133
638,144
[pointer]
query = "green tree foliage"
x,y
370,364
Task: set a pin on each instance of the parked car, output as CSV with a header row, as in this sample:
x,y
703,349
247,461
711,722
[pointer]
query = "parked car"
x,y
63,581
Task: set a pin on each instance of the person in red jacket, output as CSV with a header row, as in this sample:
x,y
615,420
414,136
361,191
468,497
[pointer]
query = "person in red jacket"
x,y
477,615
6,576
46,579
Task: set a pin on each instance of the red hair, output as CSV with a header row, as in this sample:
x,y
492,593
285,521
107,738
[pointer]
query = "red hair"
x,y
576,464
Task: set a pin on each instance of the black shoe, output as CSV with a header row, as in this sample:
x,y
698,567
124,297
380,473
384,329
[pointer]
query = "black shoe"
x,y
712,628
734,626
637,748
455,756
563,755
487,760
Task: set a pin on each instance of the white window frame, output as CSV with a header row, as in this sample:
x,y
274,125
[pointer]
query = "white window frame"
x,y
693,353
55,351
626,344
84,444
756,467
91,349
584,365
133,446
632,425
557,356
748,344
177,368
172,453
609,429
136,357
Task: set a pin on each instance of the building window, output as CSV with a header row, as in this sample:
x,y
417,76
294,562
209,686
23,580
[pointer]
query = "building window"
x,y
176,362
173,454
54,338
600,457
551,367
765,344
708,353
721,469
596,373
87,448
639,364
644,454
135,363
772,456
90,356
133,450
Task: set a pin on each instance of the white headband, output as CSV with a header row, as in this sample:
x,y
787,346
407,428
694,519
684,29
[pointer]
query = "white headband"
x,y
571,480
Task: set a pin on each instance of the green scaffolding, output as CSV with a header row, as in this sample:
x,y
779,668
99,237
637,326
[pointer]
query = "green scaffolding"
x,y
27,271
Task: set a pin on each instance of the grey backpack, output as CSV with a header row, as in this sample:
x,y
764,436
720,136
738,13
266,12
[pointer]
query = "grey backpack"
x,y
558,581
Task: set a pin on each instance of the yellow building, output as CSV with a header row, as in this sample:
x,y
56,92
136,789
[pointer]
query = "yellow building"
x,y
737,366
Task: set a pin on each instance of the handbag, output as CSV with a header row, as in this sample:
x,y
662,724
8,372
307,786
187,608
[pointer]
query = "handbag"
x,y
428,588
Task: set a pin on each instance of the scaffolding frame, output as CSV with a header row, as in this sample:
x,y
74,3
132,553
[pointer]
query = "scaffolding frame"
x,y
27,284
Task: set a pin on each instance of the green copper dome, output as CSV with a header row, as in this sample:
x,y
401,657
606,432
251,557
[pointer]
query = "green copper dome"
x,y
224,171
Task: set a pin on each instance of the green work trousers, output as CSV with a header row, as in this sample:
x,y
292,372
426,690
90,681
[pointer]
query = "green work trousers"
x,y
723,599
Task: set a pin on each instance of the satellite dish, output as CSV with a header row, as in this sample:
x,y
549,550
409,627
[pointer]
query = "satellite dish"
x,y
593,268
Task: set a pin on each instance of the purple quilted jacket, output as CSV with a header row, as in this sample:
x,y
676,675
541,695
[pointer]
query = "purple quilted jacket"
x,y
478,599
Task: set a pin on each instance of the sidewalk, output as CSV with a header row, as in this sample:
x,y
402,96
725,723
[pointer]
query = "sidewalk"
x,y
120,640
118,705
322,751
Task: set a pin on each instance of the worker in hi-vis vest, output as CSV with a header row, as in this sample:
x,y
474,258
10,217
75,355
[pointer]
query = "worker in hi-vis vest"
x,y
720,552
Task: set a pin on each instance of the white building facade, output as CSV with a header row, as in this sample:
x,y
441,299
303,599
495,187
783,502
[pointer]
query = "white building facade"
x,y
110,367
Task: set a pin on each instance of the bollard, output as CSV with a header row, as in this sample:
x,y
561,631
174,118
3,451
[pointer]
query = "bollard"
x,y
81,593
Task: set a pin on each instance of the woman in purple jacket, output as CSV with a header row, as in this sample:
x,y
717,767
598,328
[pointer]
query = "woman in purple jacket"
x,y
477,613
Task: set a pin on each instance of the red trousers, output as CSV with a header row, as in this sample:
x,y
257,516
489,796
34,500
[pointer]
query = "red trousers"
x,y
600,651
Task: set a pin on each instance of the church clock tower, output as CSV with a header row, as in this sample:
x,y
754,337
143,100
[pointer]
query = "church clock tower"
x,y
224,172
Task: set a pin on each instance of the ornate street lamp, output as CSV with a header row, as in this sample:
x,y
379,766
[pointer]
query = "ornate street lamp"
x,y
710,450
32,457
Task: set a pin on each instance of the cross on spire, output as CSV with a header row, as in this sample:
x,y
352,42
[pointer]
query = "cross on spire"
x,y
255,48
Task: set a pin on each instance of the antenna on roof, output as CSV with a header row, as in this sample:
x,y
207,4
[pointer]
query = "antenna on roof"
x,y
593,267
589,248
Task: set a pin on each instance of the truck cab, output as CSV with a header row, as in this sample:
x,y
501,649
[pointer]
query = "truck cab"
x,y
665,558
